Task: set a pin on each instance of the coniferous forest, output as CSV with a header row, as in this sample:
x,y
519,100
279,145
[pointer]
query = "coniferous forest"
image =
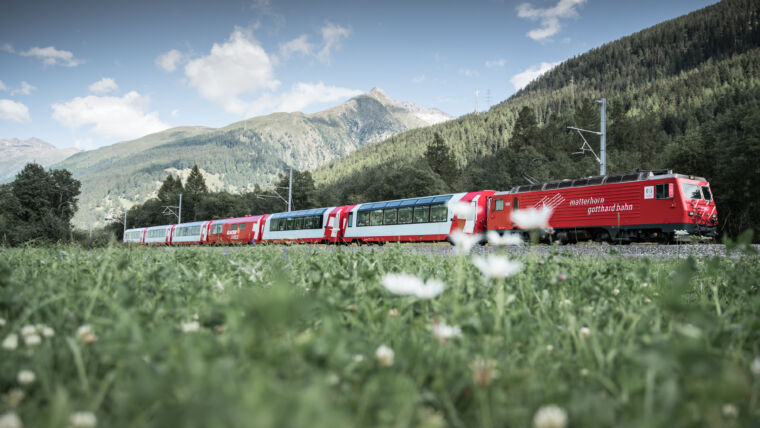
x,y
682,95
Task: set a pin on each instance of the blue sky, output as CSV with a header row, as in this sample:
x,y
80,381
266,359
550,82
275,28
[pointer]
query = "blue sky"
x,y
92,73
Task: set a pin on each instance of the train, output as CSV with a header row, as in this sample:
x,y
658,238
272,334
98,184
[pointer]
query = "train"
x,y
650,205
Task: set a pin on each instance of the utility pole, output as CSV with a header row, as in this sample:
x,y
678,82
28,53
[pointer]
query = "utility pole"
x,y
586,147
603,149
169,210
125,222
290,190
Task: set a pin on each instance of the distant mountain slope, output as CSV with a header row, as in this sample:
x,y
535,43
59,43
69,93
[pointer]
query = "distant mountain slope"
x,y
674,73
239,156
15,153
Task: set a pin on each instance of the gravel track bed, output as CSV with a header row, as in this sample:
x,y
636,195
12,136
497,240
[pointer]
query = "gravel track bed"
x,y
583,250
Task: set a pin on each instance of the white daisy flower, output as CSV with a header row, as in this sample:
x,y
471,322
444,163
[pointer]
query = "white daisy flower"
x,y
28,330
10,420
755,366
730,410
2,322
463,242
10,342
463,210
532,218
357,358
496,266
443,332
384,356
494,238
48,332
190,327
85,334
585,332
550,348
82,420
550,416
25,377
409,285
616,291
32,340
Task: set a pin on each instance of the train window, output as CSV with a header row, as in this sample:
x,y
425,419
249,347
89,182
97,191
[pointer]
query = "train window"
x,y
691,191
362,218
499,205
595,180
242,226
233,227
422,214
350,219
389,216
438,213
405,215
515,204
290,223
551,186
706,192
565,184
662,191
535,187
376,218
614,179
299,223
580,182
308,222
630,177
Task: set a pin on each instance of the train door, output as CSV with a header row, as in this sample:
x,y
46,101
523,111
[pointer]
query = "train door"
x,y
142,235
469,220
255,230
205,231
331,232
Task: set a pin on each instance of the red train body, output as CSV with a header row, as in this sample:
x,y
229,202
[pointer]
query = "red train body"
x,y
646,205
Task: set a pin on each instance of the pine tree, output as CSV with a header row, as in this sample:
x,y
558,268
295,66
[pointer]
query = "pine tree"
x,y
170,189
441,160
525,132
196,184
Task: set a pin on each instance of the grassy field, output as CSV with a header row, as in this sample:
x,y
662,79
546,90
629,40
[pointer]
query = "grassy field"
x,y
289,337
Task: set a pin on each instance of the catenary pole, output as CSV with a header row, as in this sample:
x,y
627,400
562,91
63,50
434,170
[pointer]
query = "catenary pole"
x,y
290,189
603,150
179,216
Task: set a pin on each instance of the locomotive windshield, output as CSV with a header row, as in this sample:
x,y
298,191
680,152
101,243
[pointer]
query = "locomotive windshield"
x,y
691,191
706,192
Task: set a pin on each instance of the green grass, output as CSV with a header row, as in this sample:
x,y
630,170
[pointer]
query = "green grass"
x,y
282,330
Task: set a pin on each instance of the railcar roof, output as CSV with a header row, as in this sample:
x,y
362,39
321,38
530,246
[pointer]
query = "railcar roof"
x,y
654,174
438,199
302,213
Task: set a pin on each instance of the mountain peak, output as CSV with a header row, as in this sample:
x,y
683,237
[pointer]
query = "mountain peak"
x,y
377,92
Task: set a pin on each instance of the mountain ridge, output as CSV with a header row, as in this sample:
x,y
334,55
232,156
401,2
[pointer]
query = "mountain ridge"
x,y
15,153
240,155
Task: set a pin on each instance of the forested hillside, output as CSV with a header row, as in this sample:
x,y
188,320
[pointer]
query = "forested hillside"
x,y
682,94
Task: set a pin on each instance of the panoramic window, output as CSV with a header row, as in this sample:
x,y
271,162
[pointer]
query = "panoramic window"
x,y
405,215
290,223
362,218
438,213
376,218
389,216
691,191
422,214
299,223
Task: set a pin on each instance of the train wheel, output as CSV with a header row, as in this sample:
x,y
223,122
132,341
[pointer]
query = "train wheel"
x,y
602,236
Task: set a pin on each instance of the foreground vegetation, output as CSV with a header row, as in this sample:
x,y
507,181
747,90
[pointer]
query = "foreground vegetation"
x,y
289,336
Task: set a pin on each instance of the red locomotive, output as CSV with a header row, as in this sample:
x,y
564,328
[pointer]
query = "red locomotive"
x,y
640,206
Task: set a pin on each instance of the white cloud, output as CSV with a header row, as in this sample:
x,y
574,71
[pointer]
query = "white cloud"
x,y
418,79
169,61
175,113
7,47
500,62
13,111
104,86
238,66
2,86
549,17
25,89
300,96
52,56
299,45
468,72
124,117
521,80
331,37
